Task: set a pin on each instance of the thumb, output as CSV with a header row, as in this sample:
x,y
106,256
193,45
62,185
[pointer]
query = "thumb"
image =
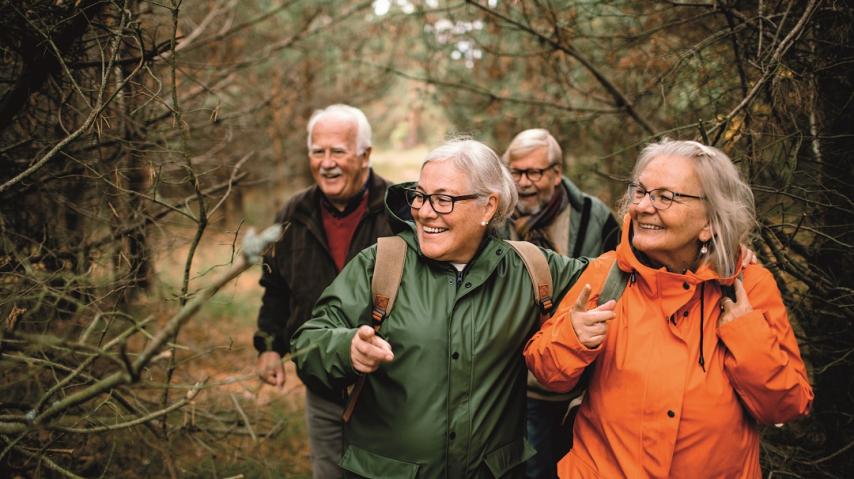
x,y
609,306
740,292
365,333
280,378
581,303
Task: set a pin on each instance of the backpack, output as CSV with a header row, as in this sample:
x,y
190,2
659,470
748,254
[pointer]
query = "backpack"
x,y
388,271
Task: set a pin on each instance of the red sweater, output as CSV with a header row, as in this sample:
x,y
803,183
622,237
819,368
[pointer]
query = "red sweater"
x,y
340,229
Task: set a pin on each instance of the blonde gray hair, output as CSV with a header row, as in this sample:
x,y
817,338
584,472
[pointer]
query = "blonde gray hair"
x,y
730,208
485,172
528,141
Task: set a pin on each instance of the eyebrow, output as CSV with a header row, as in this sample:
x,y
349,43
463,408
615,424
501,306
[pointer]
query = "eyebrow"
x,y
442,191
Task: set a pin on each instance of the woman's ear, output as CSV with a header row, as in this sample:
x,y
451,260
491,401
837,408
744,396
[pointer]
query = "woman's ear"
x,y
706,233
491,208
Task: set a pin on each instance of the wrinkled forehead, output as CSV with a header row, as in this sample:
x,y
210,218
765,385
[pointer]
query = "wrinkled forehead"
x,y
675,173
443,176
535,157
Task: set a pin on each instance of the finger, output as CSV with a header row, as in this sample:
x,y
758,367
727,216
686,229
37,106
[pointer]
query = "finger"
x,y
381,343
581,303
740,292
365,333
594,317
280,378
374,353
726,304
609,306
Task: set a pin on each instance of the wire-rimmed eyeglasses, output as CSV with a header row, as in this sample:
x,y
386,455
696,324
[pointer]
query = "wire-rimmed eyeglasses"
x,y
661,198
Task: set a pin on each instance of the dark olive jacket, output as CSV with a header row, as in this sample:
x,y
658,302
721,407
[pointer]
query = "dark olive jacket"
x,y
300,267
452,402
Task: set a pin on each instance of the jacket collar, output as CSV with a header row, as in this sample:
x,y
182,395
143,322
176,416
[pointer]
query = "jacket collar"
x,y
307,211
658,281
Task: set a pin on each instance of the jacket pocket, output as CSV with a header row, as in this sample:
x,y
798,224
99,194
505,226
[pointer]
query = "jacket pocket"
x,y
505,458
373,466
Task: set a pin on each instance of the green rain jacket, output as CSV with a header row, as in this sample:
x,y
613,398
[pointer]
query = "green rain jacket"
x,y
452,402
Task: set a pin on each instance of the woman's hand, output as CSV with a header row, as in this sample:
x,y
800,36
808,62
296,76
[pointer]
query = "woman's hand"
x,y
731,310
368,351
591,326
748,257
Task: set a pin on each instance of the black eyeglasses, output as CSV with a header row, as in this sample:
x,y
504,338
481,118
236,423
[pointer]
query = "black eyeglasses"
x,y
661,198
533,174
441,203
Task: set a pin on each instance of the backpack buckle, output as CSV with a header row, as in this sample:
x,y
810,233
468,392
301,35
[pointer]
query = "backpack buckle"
x,y
378,315
546,303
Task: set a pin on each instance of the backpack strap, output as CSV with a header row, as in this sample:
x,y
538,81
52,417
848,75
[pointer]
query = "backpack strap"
x,y
614,285
388,271
541,275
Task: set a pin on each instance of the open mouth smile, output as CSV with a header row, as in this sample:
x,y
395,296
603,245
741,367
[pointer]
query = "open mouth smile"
x,y
433,230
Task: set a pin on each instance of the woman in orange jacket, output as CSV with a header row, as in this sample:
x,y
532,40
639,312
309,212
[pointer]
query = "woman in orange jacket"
x,y
680,374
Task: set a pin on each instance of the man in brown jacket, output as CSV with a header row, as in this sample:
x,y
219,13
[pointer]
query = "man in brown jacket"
x,y
330,222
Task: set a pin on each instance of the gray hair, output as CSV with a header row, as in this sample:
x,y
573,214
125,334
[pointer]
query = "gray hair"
x,y
729,200
485,172
363,128
528,141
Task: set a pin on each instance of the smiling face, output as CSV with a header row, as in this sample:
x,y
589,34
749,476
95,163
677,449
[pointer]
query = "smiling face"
x,y
535,195
670,237
337,168
453,236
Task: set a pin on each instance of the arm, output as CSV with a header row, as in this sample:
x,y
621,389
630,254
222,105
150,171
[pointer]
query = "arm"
x,y
763,361
555,354
270,340
322,346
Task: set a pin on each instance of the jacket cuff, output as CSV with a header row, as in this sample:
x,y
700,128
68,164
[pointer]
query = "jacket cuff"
x,y
264,341
565,334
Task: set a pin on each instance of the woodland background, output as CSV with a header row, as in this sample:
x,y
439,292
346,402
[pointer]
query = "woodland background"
x,y
139,139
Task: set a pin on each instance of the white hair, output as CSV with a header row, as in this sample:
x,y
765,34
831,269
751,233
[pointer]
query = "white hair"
x,y
729,200
363,128
485,172
530,140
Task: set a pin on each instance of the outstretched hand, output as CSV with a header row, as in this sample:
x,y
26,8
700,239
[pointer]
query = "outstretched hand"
x,y
731,310
368,351
591,326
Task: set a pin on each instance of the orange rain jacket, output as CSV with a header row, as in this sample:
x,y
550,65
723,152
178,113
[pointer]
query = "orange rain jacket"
x,y
650,410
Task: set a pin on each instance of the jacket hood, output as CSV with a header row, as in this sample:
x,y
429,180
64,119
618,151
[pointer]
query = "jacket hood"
x,y
658,279
398,211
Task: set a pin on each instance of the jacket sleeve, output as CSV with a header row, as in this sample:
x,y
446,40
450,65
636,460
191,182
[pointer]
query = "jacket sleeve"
x,y
321,347
554,355
271,334
763,361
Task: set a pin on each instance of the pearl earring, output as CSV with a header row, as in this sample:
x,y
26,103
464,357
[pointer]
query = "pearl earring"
x,y
705,248
484,223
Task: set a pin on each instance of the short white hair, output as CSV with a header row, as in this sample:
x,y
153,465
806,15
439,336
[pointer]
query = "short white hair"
x,y
729,200
485,172
530,140
363,128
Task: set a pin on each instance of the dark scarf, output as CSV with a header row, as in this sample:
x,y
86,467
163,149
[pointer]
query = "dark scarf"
x,y
352,204
533,228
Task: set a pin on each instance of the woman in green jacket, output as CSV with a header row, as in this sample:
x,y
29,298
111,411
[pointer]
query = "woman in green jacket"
x,y
444,392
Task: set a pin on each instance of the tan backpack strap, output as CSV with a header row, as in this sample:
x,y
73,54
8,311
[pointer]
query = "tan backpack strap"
x,y
541,275
388,271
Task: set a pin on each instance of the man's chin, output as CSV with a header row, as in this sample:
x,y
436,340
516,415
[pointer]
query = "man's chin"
x,y
526,210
